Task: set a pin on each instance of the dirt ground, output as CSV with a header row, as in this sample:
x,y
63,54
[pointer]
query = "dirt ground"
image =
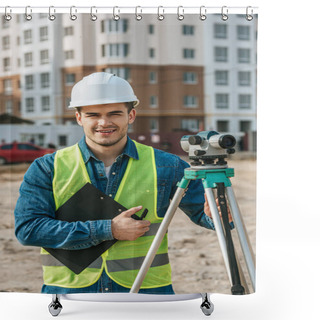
x,y
196,260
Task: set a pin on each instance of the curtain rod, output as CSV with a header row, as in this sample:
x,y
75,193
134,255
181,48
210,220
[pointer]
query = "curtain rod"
x,y
130,9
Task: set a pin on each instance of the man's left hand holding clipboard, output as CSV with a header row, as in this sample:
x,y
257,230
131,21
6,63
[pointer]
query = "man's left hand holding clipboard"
x,y
89,203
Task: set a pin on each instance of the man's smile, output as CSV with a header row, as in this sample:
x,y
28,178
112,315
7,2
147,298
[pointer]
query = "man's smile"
x,y
106,131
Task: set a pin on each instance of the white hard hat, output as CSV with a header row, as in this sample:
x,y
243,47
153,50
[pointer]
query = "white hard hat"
x,y
101,88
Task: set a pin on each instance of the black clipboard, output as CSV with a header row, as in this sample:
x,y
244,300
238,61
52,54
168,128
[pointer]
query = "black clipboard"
x,y
89,203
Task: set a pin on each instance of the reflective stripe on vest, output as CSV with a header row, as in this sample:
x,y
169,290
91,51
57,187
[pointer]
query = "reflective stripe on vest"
x,y
124,259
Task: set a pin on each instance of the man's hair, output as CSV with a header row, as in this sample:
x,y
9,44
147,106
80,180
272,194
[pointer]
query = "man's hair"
x,y
129,105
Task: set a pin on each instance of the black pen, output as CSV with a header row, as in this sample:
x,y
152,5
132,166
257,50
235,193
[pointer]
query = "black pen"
x,y
144,213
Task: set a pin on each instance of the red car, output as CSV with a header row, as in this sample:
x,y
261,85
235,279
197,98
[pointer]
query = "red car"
x,y
21,152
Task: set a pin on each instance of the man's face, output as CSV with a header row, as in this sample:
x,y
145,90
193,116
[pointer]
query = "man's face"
x,y
105,125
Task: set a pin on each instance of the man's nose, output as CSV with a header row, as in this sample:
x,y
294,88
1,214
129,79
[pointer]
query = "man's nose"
x,y
104,121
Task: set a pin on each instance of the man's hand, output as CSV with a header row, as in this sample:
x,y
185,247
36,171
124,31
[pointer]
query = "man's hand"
x,y
207,210
123,227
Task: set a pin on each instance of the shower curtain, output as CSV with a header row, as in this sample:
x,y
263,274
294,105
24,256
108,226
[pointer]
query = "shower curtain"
x,y
191,73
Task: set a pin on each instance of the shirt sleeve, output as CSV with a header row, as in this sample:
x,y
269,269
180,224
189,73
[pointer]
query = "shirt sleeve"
x,y
35,223
192,204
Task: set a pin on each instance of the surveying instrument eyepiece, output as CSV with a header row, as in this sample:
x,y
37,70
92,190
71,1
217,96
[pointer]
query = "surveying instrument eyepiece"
x,y
208,151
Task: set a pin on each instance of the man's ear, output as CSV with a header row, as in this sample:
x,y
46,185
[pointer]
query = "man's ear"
x,y
78,118
132,115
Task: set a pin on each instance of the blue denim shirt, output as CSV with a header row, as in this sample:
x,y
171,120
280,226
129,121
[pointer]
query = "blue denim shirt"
x,y
35,223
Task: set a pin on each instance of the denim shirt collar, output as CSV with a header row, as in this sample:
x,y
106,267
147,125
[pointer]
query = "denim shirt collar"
x,y
130,150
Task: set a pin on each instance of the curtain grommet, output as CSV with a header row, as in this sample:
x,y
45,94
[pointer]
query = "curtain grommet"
x,y
73,16
203,13
27,14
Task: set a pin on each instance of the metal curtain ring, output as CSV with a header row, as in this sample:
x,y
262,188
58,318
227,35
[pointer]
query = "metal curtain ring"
x,y
52,16
28,12
73,17
180,14
203,13
7,16
224,13
138,16
249,17
94,17
160,15
116,17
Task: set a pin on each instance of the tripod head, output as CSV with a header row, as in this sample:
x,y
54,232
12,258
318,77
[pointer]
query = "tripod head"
x,y
208,148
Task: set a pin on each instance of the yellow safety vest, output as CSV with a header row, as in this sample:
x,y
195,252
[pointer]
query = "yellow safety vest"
x,y
123,260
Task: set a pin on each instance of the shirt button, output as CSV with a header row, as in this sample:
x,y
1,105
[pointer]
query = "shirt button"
x,y
106,289
110,195
114,173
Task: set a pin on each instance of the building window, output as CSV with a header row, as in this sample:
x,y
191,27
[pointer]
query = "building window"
x,y
9,106
151,28
221,54
220,31
28,59
187,30
153,102
243,55
222,77
154,125
118,49
7,86
223,126
45,80
190,77
153,77
69,54
244,78
151,53
188,53
45,103
29,104
190,101
120,72
27,36
6,64
68,31
43,33
222,101
102,28
63,140
44,56
5,42
244,101
190,125
243,32
245,126
70,79
103,50
29,82
118,25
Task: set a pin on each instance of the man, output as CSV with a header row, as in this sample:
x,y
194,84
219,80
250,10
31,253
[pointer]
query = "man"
x,y
135,175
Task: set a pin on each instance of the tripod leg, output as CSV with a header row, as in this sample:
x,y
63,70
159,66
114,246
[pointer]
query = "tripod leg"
x,y
159,236
237,287
218,228
243,236
206,306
